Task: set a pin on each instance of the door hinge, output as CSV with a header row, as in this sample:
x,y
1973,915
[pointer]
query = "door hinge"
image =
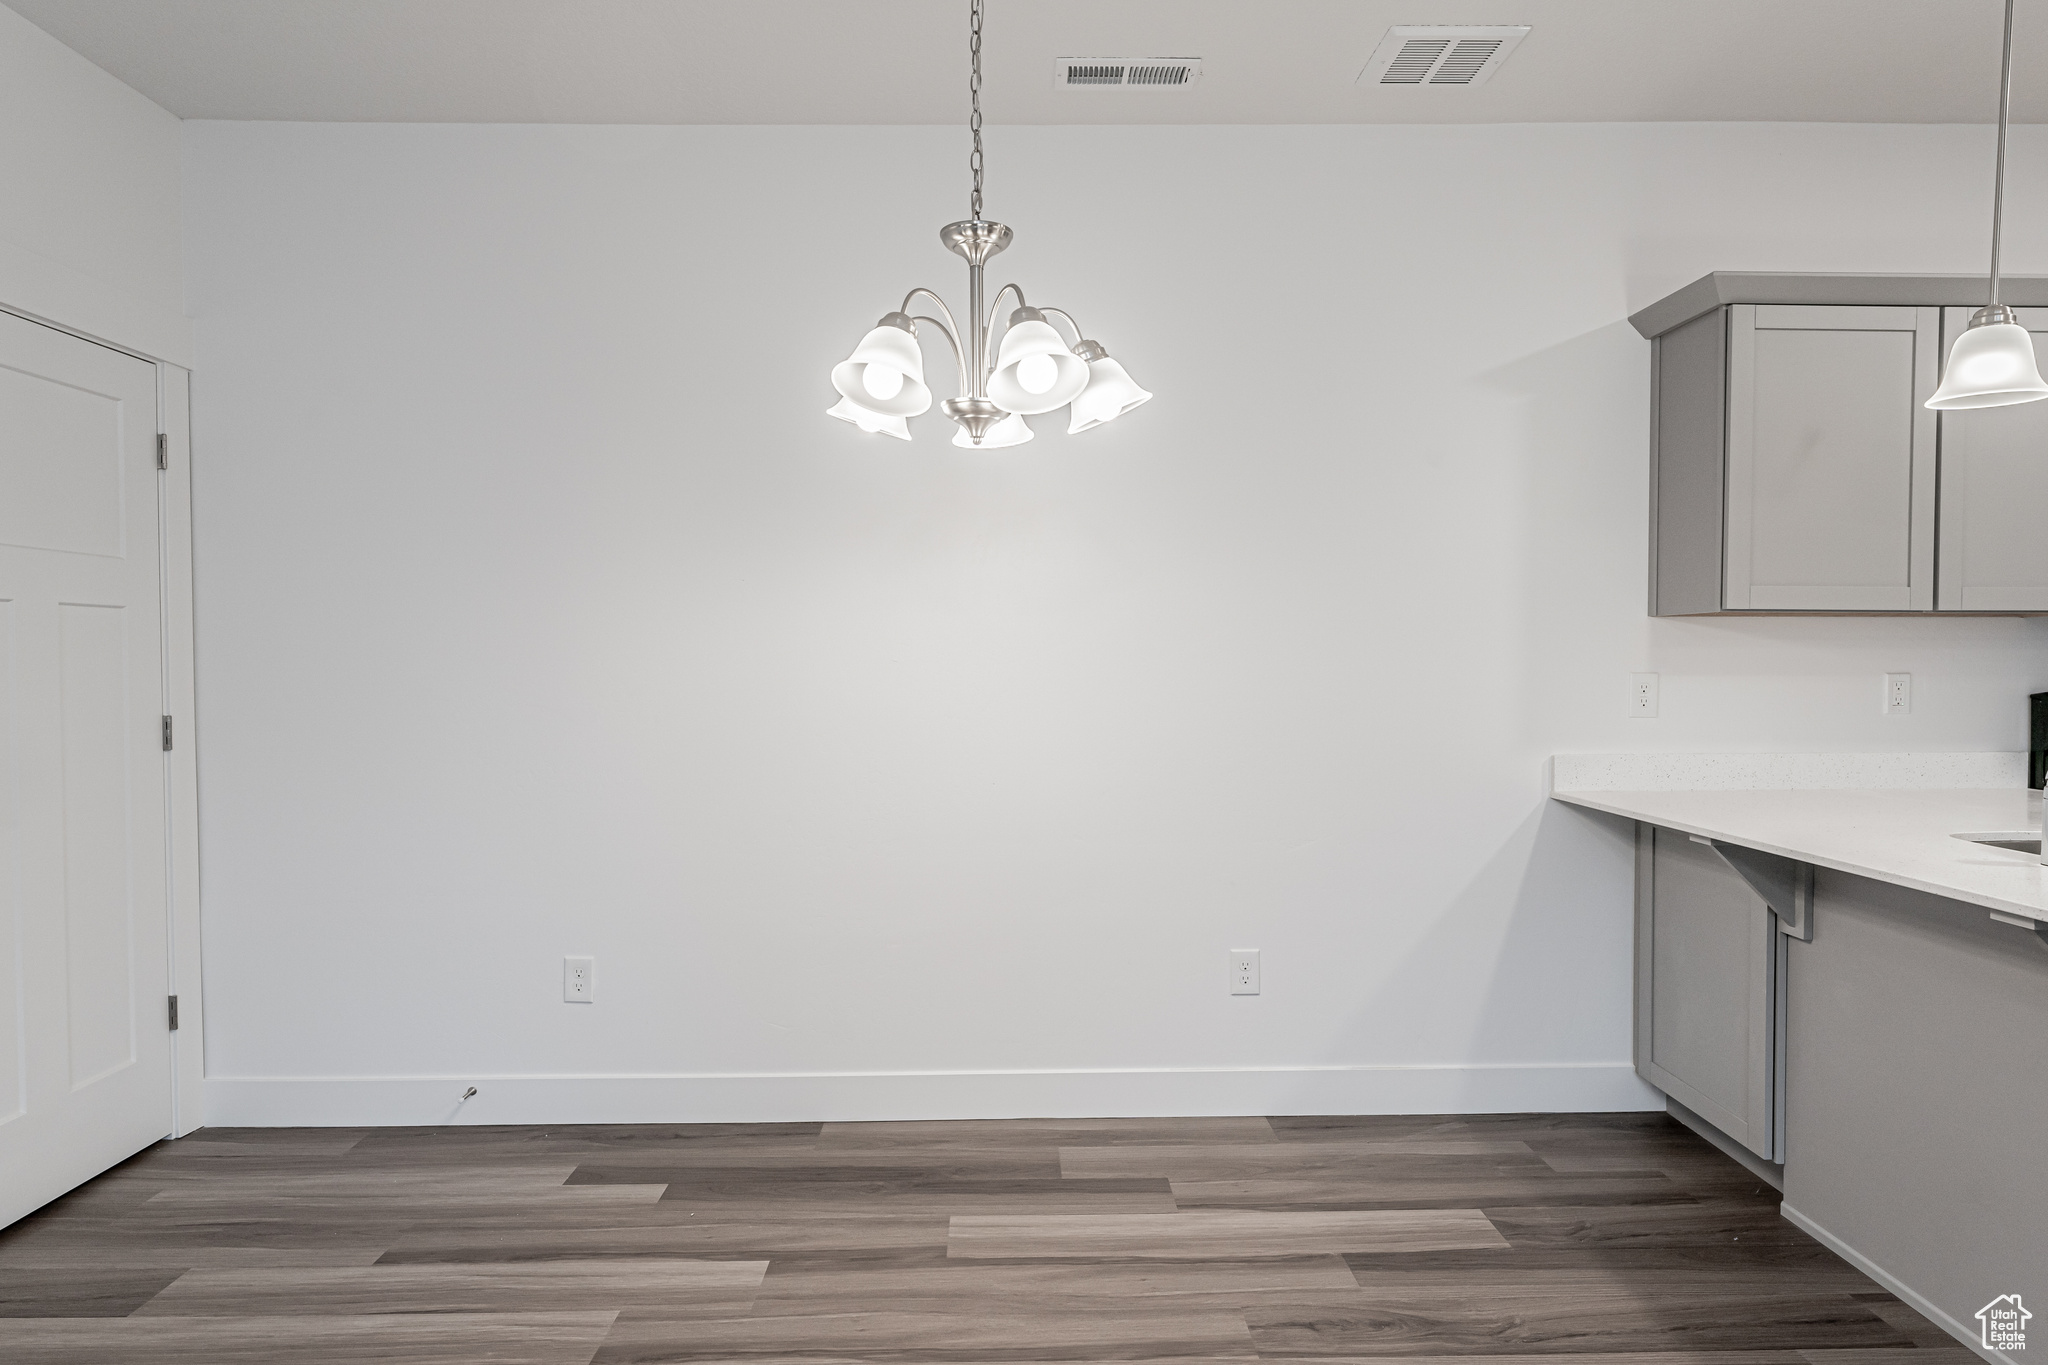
x,y
163,451
167,734
174,1014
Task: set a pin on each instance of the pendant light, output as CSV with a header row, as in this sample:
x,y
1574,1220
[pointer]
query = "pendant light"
x,y
1035,369
1992,362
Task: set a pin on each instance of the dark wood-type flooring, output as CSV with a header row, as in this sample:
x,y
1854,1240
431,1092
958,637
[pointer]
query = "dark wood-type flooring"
x,y
1620,1239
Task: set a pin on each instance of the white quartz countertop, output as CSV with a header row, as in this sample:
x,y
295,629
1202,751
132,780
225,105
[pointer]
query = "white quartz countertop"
x,y
1903,836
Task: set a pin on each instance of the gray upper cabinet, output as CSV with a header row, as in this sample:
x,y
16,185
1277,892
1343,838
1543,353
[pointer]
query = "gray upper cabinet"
x,y
1795,468
1994,493
1831,458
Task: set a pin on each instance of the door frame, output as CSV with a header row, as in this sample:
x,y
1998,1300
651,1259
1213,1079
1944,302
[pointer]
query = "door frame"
x,y
181,763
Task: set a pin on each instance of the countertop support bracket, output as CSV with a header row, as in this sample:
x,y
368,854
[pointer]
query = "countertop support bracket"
x,y
1785,884
2039,927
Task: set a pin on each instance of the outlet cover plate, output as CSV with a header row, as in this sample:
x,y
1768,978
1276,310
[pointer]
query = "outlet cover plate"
x,y
1898,694
1244,971
1642,695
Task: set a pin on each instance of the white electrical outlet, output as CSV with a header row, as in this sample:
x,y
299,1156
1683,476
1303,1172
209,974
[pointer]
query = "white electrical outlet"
x,y
579,980
1642,694
1898,694
1244,971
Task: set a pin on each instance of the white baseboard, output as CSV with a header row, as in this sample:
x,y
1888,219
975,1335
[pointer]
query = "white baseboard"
x,y
373,1101
1968,1336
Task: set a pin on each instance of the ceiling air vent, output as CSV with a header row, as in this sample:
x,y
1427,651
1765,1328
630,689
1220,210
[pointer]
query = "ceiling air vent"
x,y
1441,54
1126,73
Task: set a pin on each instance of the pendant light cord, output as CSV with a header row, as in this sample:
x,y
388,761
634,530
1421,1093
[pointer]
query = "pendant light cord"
x,y
974,95
1997,194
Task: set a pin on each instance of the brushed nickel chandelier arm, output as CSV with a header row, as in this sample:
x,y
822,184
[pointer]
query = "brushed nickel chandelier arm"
x,y
1090,351
995,309
959,358
1069,317
951,325
988,327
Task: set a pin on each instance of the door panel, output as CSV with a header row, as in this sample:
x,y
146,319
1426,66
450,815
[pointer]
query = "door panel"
x,y
1707,997
1994,486
99,918
83,929
1831,468
61,466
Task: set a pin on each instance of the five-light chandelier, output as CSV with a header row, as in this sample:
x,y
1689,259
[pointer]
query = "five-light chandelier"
x,y
881,385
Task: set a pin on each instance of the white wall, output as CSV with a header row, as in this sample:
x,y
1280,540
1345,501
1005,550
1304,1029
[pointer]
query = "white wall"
x,y
90,214
543,611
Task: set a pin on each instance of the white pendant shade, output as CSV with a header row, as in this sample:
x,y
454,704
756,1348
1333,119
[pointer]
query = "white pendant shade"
x,y
846,410
1022,383
1010,431
1110,394
893,353
1989,367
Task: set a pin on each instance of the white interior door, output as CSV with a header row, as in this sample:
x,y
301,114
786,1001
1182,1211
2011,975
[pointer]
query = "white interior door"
x,y
85,1046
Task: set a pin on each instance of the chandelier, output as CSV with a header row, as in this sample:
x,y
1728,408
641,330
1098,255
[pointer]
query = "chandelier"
x,y
881,385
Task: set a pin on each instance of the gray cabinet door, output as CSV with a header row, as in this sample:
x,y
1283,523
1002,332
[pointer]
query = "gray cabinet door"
x,y
1707,976
1831,458
1994,495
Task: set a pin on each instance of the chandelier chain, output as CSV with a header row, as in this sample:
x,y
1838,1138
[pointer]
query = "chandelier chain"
x,y
974,96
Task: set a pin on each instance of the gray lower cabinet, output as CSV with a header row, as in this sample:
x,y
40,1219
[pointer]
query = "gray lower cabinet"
x,y
1795,467
1921,1092
1710,1005
1994,490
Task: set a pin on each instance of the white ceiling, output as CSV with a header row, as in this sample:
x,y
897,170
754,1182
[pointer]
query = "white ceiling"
x,y
904,61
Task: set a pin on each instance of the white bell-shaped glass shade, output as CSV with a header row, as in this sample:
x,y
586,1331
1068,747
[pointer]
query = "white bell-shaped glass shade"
x,y
1010,431
1110,394
1988,367
847,411
884,375
1035,372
